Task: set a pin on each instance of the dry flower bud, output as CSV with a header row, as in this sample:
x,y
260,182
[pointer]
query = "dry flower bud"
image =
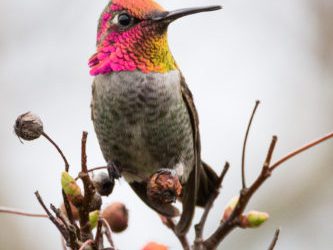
x,y
103,183
71,188
254,219
154,246
164,187
28,126
230,207
93,219
75,211
116,214
95,203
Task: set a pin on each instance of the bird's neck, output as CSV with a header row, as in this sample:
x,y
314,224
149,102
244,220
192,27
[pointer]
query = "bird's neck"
x,y
130,52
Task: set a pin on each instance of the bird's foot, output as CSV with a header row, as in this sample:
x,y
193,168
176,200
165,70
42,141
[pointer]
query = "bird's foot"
x,y
114,170
164,187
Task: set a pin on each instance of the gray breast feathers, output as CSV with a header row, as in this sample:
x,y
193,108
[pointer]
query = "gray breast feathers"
x,y
142,122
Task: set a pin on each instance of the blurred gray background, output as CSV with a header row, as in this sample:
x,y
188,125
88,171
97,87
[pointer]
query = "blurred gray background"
x,y
280,52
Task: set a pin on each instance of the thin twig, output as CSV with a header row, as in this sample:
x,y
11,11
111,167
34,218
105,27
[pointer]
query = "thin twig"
x,y
300,150
233,221
171,225
58,149
200,226
72,233
97,168
275,239
86,243
89,192
99,235
245,143
70,214
60,227
245,195
108,232
84,168
92,170
60,216
8,210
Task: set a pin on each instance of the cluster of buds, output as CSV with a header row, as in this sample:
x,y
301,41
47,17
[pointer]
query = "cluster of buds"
x,y
116,214
251,219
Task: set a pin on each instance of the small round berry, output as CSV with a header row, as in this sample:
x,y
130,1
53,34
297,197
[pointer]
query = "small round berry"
x,y
116,214
103,183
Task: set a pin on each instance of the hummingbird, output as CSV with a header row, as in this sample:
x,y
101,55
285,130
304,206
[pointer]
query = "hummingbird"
x,y
142,109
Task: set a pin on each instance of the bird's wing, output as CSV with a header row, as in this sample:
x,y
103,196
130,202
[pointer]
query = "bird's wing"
x,y
191,187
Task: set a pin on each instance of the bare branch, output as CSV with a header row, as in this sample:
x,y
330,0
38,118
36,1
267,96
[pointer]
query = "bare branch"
x,y
275,239
86,243
200,226
108,232
245,143
245,195
300,150
70,214
99,235
92,170
88,193
59,216
72,233
60,227
7,210
171,225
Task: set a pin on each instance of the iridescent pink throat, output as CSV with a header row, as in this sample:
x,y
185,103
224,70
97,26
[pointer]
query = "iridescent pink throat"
x,y
141,47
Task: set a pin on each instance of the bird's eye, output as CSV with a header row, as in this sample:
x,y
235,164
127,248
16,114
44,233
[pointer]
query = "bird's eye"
x,y
124,20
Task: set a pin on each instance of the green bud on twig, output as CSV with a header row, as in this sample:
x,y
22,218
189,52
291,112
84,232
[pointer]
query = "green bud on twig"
x,y
254,219
93,219
230,207
71,188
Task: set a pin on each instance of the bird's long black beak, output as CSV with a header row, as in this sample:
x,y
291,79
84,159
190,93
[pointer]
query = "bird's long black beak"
x,y
170,16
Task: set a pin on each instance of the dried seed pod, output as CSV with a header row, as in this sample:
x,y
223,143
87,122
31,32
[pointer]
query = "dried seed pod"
x,y
164,187
116,214
103,183
28,126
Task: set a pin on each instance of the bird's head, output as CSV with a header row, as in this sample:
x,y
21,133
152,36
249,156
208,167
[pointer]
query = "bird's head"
x,y
132,35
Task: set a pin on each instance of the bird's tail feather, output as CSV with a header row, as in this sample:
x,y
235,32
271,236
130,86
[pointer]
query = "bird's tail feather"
x,y
207,184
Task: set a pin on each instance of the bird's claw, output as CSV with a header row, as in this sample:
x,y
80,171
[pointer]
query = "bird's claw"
x,y
114,170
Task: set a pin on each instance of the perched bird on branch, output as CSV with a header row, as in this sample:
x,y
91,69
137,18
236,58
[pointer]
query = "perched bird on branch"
x,y
142,109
